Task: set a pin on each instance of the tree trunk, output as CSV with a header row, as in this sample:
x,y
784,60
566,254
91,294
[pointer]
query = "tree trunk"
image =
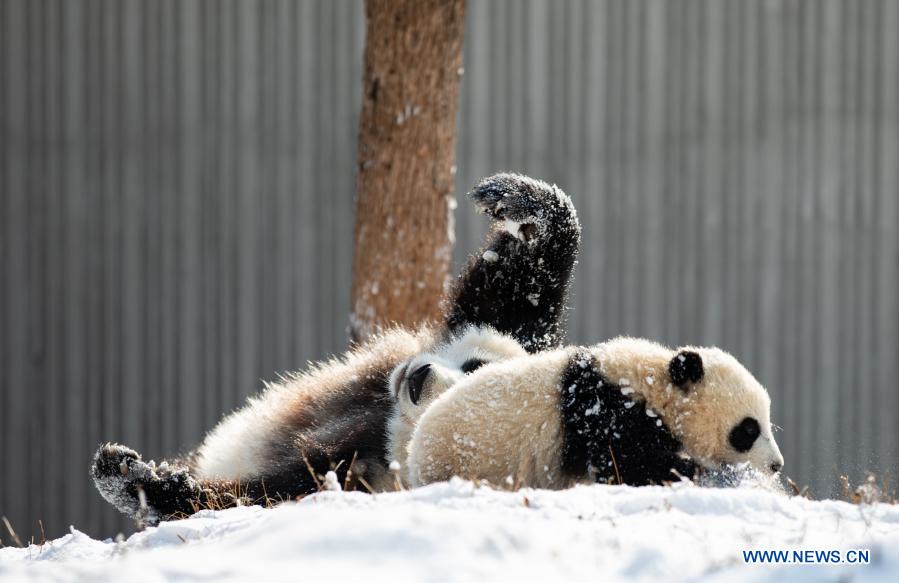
x,y
406,166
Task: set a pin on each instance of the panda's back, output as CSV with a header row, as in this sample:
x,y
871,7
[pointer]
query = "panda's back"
x,y
501,424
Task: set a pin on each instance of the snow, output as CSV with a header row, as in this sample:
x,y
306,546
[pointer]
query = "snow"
x,y
331,482
512,227
458,531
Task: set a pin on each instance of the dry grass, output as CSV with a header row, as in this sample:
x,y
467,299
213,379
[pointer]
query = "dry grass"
x,y
14,537
230,494
12,532
869,491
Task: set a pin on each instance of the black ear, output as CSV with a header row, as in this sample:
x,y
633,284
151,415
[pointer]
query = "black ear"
x,y
685,368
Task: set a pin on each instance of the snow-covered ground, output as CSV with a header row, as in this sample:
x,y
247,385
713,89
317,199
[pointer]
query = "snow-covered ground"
x,y
457,531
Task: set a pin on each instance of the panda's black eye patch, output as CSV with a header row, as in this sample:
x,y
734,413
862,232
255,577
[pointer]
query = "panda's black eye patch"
x,y
744,434
416,382
472,364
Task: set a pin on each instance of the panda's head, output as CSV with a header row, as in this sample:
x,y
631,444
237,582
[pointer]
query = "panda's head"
x,y
422,378
720,411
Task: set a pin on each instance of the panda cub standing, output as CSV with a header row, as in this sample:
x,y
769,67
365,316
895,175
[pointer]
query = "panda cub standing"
x,y
626,411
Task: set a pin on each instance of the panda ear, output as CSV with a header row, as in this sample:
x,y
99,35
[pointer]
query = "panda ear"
x,y
685,368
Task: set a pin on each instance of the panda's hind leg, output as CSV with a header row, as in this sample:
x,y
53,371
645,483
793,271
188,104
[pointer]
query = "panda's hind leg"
x,y
530,208
150,493
518,282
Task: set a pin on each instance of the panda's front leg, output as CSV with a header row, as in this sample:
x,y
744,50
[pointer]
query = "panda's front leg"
x,y
643,464
518,283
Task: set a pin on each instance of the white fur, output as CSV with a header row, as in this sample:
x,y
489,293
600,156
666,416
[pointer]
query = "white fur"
x,y
240,446
446,360
504,420
500,422
702,417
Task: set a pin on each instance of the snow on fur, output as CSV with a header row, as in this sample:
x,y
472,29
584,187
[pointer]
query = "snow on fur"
x,y
457,531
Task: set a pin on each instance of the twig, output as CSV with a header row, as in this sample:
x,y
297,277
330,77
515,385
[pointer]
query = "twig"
x,y
349,472
367,485
615,464
12,533
268,501
318,484
845,487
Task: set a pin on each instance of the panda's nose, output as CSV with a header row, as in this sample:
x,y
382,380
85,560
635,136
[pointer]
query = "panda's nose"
x,y
776,466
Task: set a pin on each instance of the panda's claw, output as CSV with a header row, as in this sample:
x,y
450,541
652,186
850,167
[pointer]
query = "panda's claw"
x,y
139,489
120,474
508,196
112,460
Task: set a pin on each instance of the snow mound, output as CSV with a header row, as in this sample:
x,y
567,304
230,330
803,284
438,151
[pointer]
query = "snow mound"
x,y
458,531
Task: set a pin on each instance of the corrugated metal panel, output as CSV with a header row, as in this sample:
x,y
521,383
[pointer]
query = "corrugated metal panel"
x,y
734,164
176,183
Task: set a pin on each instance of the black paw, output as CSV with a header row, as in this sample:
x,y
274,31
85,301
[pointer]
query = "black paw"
x,y
139,489
521,199
119,475
684,468
112,460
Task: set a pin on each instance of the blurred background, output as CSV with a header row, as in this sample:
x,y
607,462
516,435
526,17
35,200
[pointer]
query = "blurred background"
x,y
176,199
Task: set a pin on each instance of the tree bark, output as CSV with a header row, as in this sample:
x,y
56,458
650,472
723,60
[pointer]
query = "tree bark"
x,y
406,162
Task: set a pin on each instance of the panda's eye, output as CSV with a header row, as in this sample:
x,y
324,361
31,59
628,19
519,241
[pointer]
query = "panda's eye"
x,y
472,364
744,434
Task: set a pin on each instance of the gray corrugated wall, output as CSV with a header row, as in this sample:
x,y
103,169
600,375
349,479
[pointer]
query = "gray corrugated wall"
x,y
176,184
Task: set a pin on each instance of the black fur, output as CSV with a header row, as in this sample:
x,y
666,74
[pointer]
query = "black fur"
x,y
686,368
472,364
362,408
171,492
122,476
305,453
521,287
416,382
610,436
743,436
522,293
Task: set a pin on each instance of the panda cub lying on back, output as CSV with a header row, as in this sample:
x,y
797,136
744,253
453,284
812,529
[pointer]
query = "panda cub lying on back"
x,y
625,411
509,299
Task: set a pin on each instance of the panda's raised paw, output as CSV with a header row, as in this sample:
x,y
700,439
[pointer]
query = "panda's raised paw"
x,y
518,198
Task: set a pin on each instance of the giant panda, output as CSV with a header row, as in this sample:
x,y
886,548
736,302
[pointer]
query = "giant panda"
x,y
627,411
419,380
335,415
